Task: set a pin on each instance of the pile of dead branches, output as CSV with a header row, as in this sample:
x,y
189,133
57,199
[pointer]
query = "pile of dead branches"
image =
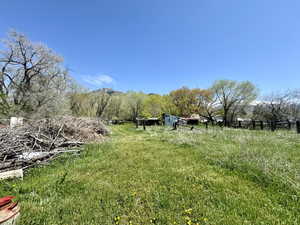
x,y
41,140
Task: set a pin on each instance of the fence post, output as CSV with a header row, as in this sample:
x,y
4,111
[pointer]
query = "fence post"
x,y
175,126
298,126
273,125
289,124
261,125
253,124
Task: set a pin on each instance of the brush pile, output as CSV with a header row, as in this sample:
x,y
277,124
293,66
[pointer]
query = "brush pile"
x,y
41,140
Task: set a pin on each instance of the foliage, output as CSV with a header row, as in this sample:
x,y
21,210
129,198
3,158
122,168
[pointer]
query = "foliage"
x,y
135,104
100,101
155,105
200,101
32,76
80,105
101,104
279,106
168,105
33,82
233,97
206,103
185,101
115,108
4,106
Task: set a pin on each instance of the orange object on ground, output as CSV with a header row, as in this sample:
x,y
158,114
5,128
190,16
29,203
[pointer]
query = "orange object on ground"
x,y
9,210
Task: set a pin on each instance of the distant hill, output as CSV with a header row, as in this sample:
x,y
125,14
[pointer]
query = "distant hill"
x,y
109,91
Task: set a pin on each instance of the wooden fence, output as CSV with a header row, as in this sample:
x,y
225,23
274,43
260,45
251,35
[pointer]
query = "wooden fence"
x,y
251,125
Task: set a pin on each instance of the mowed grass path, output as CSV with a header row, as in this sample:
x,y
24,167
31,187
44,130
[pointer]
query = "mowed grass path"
x,y
160,176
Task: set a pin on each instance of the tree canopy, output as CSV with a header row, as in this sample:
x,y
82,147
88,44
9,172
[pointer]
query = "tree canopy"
x,y
34,82
233,97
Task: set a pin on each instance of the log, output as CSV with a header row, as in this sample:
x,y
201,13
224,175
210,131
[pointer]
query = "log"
x,y
11,174
11,164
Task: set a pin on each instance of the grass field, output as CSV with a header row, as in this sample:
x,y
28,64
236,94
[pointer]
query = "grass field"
x,y
160,176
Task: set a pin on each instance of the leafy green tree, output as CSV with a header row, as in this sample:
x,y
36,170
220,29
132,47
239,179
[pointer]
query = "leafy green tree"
x,y
134,103
114,109
82,104
168,106
100,101
153,106
184,100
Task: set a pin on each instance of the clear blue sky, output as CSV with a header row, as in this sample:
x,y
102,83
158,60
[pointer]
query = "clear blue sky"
x,y
160,45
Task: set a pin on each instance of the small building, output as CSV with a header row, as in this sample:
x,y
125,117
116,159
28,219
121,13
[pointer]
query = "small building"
x,y
192,120
195,116
169,120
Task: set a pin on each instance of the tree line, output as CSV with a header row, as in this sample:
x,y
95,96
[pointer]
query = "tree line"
x,y
34,83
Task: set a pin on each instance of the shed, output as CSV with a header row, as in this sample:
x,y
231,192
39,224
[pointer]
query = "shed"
x,y
169,120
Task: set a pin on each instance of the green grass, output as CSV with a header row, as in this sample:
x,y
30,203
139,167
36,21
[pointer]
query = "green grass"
x,y
160,176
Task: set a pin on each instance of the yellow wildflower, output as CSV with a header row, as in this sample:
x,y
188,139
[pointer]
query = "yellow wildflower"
x,y
188,211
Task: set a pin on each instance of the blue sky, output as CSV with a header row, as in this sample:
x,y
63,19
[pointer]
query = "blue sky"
x,y
160,45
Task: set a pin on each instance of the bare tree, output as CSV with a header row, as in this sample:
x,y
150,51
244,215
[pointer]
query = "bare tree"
x,y
135,101
206,104
279,106
114,109
233,96
101,100
4,106
31,74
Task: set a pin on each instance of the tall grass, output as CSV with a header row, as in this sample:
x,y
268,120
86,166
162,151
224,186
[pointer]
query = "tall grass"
x,y
159,176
